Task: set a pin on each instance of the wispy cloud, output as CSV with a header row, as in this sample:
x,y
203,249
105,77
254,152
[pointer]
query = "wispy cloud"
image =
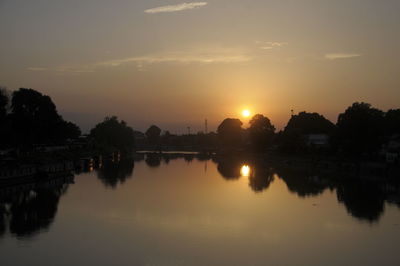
x,y
183,58
334,56
70,69
271,45
194,57
175,8
37,68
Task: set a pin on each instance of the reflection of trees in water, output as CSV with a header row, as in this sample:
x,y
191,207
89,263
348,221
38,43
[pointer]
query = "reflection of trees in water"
x,y
188,157
362,200
302,182
153,160
229,167
29,211
260,178
114,173
138,157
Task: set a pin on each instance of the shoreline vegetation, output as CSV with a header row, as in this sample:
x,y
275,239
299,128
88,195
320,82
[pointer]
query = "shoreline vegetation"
x,y
36,141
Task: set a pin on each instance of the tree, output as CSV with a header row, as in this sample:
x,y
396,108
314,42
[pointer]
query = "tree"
x,y
310,123
112,134
70,130
230,132
360,129
261,131
35,119
3,104
4,123
300,125
153,134
392,122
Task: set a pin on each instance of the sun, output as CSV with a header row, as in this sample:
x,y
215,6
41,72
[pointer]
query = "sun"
x,y
246,113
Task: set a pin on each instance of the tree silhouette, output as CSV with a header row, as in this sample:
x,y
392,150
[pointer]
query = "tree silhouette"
x,y
261,132
360,129
293,136
392,122
112,134
153,134
3,104
310,123
34,119
5,131
230,132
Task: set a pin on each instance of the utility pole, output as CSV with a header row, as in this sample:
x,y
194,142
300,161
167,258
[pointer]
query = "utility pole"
x,y
292,112
188,128
206,127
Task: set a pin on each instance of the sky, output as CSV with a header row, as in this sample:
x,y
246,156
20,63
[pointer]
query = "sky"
x,y
174,63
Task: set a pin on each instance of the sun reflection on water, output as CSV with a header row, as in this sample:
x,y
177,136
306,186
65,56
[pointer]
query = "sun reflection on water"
x,y
245,171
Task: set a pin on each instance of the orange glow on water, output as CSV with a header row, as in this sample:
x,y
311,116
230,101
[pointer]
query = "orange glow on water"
x,y
245,171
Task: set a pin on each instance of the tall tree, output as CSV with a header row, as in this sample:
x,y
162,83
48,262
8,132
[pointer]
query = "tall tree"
x,y
293,136
4,123
35,119
3,103
230,132
392,122
310,123
153,134
360,128
113,134
261,132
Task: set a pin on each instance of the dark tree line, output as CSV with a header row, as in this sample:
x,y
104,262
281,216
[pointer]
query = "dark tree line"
x,y
28,117
360,130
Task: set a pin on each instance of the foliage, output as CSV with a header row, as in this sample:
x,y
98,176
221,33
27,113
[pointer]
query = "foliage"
x,y
153,134
360,129
230,132
3,104
392,122
113,134
34,120
293,137
310,123
261,132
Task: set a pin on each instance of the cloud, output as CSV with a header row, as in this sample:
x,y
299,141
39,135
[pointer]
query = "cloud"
x,y
37,68
224,56
335,56
182,58
271,45
70,69
175,8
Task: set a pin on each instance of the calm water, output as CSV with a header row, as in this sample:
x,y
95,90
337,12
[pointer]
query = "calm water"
x,y
196,211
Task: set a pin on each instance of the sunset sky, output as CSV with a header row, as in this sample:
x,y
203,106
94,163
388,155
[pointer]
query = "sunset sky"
x,y
173,64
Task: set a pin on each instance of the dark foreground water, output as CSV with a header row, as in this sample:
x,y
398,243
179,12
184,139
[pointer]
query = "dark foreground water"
x,y
196,211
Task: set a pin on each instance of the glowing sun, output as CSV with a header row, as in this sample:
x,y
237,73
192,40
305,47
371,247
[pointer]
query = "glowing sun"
x,y
246,113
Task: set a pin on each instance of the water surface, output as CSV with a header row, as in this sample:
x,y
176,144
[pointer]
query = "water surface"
x,y
198,211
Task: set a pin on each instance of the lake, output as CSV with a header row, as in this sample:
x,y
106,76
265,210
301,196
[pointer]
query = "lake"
x,y
194,210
